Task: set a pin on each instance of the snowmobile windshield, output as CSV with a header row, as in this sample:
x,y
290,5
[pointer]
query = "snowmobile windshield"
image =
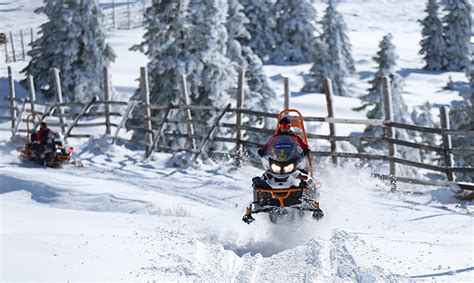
x,y
284,148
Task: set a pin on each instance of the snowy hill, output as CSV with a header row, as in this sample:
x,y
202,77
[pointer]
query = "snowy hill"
x,y
122,218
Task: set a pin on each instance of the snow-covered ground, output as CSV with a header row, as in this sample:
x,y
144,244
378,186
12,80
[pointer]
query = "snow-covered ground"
x,y
122,218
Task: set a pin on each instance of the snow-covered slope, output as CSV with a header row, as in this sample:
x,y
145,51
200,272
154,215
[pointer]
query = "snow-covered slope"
x,y
122,218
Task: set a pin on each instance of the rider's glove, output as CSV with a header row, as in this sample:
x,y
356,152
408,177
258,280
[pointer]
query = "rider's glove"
x,y
248,218
303,184
260,152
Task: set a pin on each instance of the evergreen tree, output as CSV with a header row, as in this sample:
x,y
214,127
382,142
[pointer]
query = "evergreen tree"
x,y
188,39
422,116
386,63
261,26
333,59
322,68
458,32
73,41
335,36
210,72
462,119
258,94
296,25
432,45
165,45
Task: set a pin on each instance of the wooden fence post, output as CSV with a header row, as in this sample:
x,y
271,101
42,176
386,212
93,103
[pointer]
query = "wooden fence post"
x,y
447,143
11,85
332,127
240,102
59,100
286,83
6,51
389,131
23,53
107,98
146,106
113,14
31,92
13,47
185,98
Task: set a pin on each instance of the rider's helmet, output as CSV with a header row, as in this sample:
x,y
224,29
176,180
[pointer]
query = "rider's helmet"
x,y
285,125
43,125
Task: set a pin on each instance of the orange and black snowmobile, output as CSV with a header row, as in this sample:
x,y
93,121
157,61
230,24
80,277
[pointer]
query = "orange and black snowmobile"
x,y
51,154
287,188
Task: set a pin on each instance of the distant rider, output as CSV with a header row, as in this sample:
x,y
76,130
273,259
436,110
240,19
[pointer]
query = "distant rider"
x,y
45,140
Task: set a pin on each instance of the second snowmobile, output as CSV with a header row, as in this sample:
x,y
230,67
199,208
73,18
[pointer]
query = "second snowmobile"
x,y
53,154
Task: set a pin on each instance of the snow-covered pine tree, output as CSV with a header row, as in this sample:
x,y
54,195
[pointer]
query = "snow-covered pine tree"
x,y
422,116
165,45
322,68
433,44
73,41
386,63
458,32
333,59
261,26
258,94
211,74
296,25
335,35
462,119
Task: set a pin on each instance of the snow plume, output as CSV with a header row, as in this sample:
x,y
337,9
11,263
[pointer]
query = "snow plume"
x,y
73,41
357,187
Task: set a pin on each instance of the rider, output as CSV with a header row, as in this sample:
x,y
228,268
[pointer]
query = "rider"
x,y
285,129
45,139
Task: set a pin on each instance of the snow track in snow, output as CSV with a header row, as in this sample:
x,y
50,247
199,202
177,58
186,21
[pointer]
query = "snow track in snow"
x,y
185,224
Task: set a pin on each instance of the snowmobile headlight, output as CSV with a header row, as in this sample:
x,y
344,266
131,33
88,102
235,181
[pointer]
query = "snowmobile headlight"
x,y
275,168
289,168
58,150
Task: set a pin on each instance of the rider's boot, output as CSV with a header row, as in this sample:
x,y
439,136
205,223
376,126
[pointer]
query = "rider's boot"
x,y
248,216
318,213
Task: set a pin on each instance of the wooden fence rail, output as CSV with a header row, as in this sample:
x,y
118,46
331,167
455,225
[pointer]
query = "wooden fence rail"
x,y
157,134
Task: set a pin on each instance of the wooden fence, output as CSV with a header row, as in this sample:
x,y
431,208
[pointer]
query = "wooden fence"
x,y
11,42
155,133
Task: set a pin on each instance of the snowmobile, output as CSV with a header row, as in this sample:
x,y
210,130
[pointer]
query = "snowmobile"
x,y
52,155
287,189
